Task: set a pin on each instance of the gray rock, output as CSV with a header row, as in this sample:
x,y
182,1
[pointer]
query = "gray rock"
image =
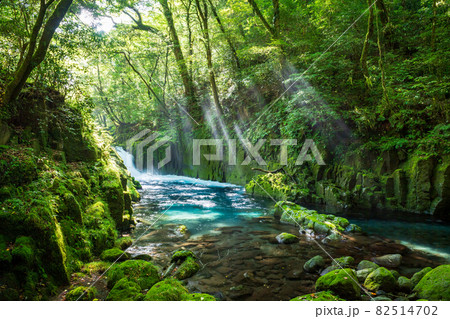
x,y
314,265
365,264
391,260
363,273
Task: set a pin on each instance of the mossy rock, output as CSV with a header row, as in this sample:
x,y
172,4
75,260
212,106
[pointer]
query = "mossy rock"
x,y
404,284
286,238
363,273
319,296
380,279
341,282
187,269
71,208
344,262
314,265
123,242
81,293
365,264
114,254
419,275
197,297
323,224
435,285
169,289
125,290
182,255
144,273
24,251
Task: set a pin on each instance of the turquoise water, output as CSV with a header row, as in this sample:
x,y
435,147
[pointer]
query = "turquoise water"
x,y
233,236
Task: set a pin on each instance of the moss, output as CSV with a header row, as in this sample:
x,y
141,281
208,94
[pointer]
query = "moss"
x,y
113,193
292,213
102,233
81,293
71,208
181,255
344,262
95,267
142,272
123,242
342,282
23,251
18,166
167,290
197,297
187,269
320,296
404,284
114,254
286,238
419,275
125,290
380,279
435,285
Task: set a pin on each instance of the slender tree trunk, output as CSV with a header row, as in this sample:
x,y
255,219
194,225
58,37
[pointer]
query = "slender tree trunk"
x,y
433,27
34,55
380,61
189,88
202,10
365,50
227,36
261,17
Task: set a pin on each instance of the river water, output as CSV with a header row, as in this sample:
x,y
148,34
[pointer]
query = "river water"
x,y
233,235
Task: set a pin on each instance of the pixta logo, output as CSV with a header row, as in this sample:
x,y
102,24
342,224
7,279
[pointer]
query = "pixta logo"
x,y
150,150
252,151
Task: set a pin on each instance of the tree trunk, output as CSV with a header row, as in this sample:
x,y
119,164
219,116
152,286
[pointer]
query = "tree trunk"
x,y
34,55
227,36
189,88
433,27
365,49
203,15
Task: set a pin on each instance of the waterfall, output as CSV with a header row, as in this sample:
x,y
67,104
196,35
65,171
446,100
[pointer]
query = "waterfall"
x,y
128,160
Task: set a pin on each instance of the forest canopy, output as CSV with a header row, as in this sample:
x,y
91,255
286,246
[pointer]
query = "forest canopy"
x,y
376,71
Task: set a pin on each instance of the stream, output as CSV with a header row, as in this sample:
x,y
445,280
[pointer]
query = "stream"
x,y
233,236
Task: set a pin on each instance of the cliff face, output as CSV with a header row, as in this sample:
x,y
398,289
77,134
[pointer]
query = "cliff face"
x,y
64,196
367,180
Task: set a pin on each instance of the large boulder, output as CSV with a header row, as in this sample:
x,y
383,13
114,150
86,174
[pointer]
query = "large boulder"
x,y
391,260
169,289
125,290
380,279
314,265
435,285
342,282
